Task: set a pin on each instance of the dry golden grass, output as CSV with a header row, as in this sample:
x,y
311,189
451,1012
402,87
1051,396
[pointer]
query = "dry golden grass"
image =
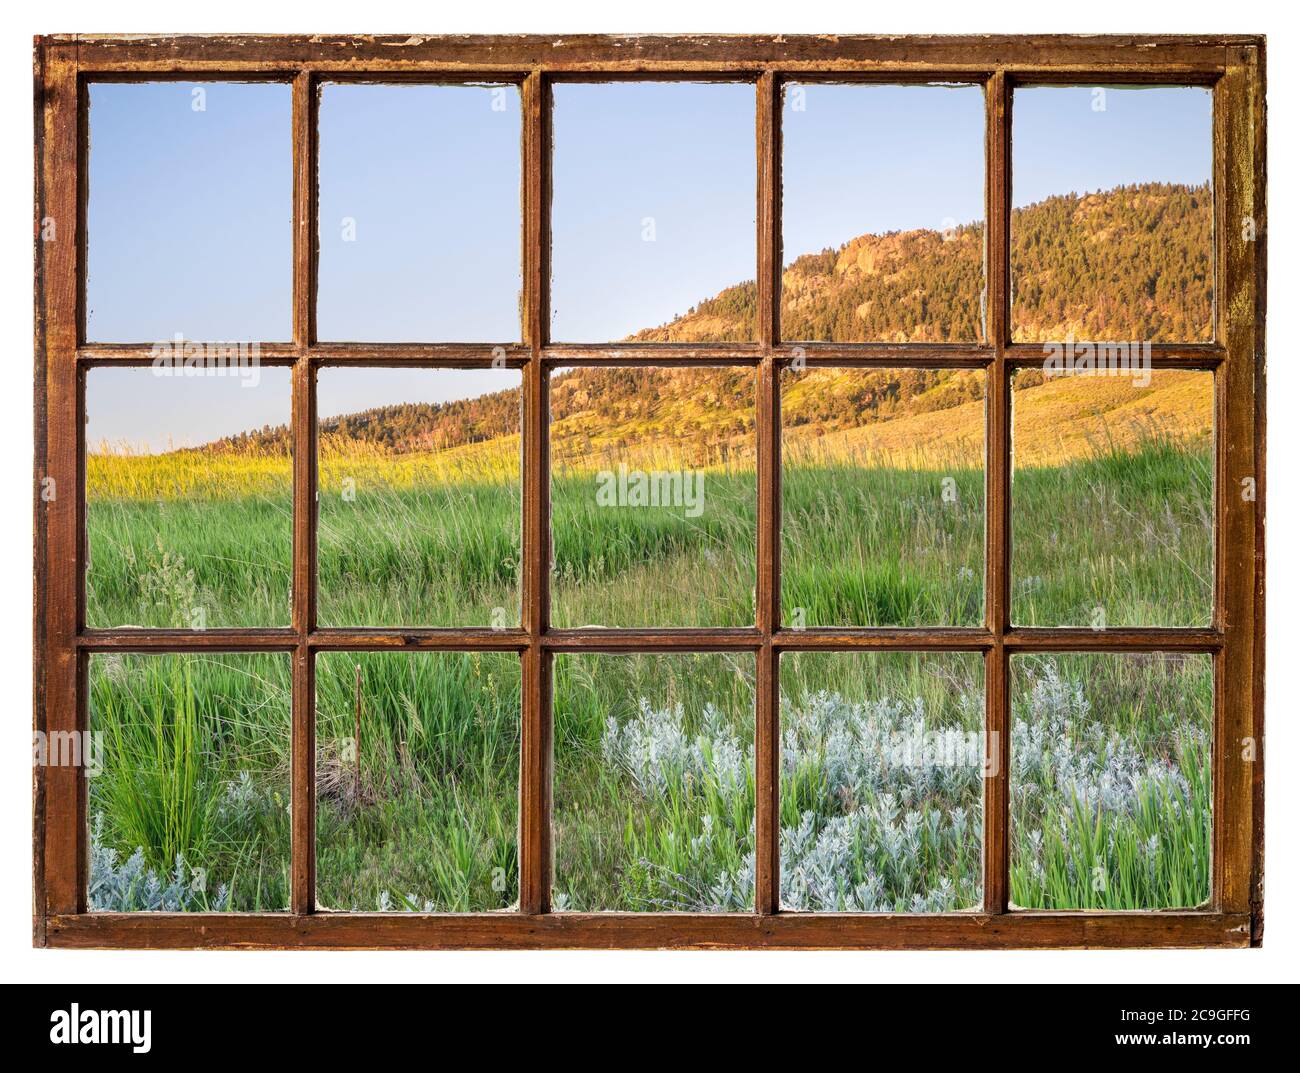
x,y
1063,419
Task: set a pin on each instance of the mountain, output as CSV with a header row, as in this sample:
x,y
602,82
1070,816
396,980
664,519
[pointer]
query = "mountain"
x,y
1131,263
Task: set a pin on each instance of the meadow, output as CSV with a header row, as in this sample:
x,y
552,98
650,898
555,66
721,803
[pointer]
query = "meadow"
x,y
417,761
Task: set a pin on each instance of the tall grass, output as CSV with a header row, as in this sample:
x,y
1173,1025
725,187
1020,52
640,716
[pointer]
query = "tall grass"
x,y
195,771
653,783
1110,781
1120,538
433,826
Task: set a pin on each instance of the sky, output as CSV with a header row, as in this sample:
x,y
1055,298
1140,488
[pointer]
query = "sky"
x,y
420,232
189,221
190,212
653,205
903,157
1060,144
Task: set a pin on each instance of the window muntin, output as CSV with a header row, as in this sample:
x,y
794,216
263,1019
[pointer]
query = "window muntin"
x,y
546,641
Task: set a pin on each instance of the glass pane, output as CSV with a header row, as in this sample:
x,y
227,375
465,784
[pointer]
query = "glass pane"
x,y
189,496
420,503
188,776
653,201
417,781
882,213
654,782
882,769
420,218
189,219
1112,501
882,497
1110,781
653,497
1111,234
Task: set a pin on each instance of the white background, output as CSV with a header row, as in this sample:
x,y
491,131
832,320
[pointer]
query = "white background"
x,y
1277,961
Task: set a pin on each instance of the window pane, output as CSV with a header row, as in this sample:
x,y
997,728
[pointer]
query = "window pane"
x,y
1110,781
417,781
1113,499
420,506
882,768
420,219
188,775
882,213
882,497
653,497
653,200
189,219
1111,234
654,782
189,497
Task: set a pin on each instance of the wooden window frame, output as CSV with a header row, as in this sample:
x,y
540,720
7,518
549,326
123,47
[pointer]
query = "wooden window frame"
x,y
1231,66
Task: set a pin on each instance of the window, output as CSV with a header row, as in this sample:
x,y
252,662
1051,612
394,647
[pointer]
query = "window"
x,y
650,492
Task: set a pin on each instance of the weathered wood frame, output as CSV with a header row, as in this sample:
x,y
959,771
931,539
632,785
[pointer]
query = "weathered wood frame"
x,y
1233,66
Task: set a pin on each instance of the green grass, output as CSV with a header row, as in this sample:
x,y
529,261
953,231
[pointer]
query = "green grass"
x,y
196,768
430,813
1121,539
649,810
1121,718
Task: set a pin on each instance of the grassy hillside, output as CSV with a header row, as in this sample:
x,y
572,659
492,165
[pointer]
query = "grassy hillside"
x,y
1128,264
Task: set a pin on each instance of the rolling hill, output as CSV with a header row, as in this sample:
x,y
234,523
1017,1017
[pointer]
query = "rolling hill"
x,y
1131,263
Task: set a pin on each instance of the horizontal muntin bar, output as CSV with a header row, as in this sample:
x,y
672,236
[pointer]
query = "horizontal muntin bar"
x,y
133,639
1118,639
686,639
888,355
1163,355
412,640
323,354
1194,928
902,639
326,354
1111,52
287,640
652,353
144,354
957,355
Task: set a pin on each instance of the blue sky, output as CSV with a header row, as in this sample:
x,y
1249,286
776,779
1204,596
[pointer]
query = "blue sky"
x,y
189,224
1060,144
861,158
654,199
420,230
190,215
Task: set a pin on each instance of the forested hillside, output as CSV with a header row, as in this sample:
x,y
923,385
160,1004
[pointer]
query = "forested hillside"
x,y
1132,263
